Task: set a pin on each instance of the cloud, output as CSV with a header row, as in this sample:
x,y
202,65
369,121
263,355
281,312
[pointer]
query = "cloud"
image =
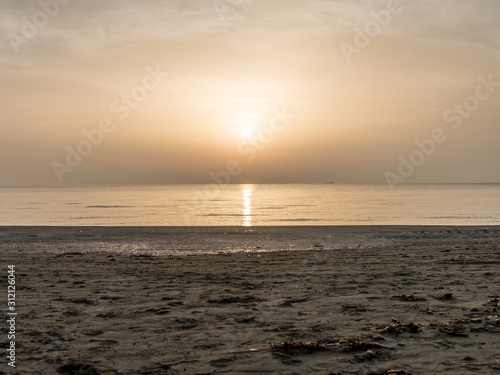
x,y
94,27
93,51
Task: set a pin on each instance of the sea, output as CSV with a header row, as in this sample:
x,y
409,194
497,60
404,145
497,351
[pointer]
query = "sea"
x,y
252,205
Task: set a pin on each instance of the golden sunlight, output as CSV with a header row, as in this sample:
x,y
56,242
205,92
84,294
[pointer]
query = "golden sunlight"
x,y
247,133
247,206
247,123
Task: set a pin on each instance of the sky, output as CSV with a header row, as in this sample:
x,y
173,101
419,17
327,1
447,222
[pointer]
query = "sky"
x,y
249,91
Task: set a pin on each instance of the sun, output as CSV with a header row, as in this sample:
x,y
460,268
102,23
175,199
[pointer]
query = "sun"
x,y
247,123
247,133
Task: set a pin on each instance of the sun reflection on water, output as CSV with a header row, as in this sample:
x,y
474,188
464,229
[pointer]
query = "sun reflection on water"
x,y
247,205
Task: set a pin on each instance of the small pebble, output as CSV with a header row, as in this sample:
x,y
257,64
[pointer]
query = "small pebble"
x,y
369,354
446,296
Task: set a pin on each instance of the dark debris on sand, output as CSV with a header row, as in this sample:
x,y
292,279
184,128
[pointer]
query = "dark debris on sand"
x,y
366,356
367,344
349,345
385,372
234,299
69,253
410,298
454,330
446,297
290,347
397,327
77,369
355,345
495,365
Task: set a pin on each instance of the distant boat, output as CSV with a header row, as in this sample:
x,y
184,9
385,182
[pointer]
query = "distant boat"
x,y
329,182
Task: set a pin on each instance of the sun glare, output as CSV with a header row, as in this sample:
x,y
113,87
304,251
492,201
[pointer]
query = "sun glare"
x,y
247,123
247,205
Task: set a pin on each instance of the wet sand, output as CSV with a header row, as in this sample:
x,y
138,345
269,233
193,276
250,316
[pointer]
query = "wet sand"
x,y
167,300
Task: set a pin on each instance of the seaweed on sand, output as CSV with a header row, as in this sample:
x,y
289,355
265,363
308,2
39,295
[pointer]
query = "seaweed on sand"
x,y
346,345
454,330
290,347
397,327
355,345
410,298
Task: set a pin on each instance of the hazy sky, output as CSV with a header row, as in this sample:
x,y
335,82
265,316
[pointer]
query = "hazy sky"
x,y
290,90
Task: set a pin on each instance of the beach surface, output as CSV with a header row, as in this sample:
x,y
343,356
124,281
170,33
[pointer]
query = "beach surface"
x,y
209,300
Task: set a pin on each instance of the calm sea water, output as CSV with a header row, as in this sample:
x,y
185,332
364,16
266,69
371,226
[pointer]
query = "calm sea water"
x,y
247,205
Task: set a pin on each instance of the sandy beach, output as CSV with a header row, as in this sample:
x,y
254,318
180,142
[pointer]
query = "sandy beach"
x,y
209,300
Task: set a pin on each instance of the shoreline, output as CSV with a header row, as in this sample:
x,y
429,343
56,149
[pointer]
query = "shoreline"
x,y
195,240
86,306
